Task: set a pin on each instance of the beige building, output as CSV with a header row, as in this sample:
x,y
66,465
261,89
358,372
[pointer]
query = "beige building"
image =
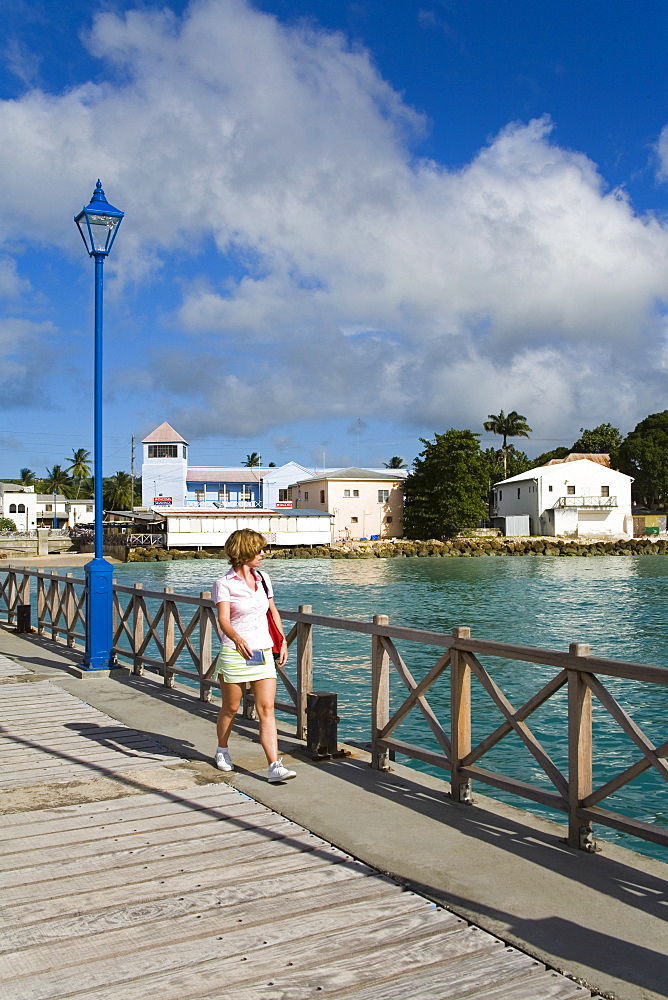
x,y
362,503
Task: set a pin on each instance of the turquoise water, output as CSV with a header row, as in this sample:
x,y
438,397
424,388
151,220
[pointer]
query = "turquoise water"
x,y
616,604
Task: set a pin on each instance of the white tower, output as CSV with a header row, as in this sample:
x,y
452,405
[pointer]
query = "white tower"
x,y
164,468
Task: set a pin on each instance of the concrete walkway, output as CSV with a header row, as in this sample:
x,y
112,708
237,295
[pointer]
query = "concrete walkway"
x,y
600,919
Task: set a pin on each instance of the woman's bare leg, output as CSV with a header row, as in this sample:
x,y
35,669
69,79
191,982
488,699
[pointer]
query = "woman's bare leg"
x,y
265,694
231,694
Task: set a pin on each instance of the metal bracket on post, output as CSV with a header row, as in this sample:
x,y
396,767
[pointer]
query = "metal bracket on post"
x,y
23,618
321,726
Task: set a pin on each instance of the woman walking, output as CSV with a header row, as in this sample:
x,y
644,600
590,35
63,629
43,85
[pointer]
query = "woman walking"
x,y
245,656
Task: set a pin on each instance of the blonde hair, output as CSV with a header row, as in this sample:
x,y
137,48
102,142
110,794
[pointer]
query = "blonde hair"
x,y
243,545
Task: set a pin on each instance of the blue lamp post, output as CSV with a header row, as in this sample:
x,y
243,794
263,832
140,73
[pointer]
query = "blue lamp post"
x,y
55,508
98,224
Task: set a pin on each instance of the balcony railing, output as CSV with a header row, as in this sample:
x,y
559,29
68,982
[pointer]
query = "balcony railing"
x,y
592,503
213,505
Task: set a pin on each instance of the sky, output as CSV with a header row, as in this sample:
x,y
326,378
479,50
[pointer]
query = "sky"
x,y
349,224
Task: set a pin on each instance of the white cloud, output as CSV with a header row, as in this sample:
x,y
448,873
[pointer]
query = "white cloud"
x,y
25,358
371,283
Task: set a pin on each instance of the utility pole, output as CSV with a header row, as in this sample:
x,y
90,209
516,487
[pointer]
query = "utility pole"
x,y
132,474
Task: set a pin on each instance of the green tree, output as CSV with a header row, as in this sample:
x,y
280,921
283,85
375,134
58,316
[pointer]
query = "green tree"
x,y
395,463
117,491
602,440
507,425
516,463
57,481
28,477
253,461
644,455
6,524
79,467
547,456
445,491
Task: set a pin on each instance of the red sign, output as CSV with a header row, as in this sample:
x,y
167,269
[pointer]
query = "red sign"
x,y
284,503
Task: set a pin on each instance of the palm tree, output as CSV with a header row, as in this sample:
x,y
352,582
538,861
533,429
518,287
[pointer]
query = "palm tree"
x,y
395,463
79,468
27,477
513,424
57,480
253,461
117,491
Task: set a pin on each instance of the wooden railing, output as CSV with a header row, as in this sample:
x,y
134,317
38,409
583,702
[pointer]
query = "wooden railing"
x,y
173,635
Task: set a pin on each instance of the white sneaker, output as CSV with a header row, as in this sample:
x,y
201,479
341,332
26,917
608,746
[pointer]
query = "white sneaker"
x,y
223,762
277,772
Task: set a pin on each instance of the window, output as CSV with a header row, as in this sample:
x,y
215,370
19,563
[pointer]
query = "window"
x,y
22,508
245,495
184,452
519,492
305,494
354,520
570,490
500,494
12,508
284,495
346,493
549,489
383,496
163,451
605,491
200,496
223,496
322,496
356,493
47,506
389,519
89,508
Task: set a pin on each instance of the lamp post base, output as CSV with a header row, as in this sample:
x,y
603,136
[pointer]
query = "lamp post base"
x,y
99,615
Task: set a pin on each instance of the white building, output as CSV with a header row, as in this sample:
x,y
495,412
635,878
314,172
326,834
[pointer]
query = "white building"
x,y
210,528
572,497
29,510
353,503
363,503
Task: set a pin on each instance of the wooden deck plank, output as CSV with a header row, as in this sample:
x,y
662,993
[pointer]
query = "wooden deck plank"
x,y
27,866
213,840
203,893
119,827
158,867
198,936
200,794
332,932
240,901
25,708
161,888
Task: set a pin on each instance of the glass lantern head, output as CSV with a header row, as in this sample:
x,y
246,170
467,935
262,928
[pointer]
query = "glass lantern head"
x,y
98,223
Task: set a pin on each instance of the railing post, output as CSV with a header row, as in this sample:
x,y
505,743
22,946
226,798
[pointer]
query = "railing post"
x,y
41,604
460,717
304,669
69,610
168,637
205,653
580,778
54,601
11,595
380,696
137,631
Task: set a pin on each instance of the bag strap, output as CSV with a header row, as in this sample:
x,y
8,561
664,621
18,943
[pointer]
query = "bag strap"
x,y
264,584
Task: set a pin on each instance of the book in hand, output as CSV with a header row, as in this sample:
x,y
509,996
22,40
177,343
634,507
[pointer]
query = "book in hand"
x,y
257,657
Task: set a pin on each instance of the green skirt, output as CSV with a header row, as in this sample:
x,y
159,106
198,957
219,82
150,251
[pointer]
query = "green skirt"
x,y
234,669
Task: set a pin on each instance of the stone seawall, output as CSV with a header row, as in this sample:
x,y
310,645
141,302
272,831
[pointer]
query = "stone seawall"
x,y
455,548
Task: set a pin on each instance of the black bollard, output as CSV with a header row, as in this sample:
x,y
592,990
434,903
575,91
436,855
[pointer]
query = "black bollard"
x,y
321,722
23,613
